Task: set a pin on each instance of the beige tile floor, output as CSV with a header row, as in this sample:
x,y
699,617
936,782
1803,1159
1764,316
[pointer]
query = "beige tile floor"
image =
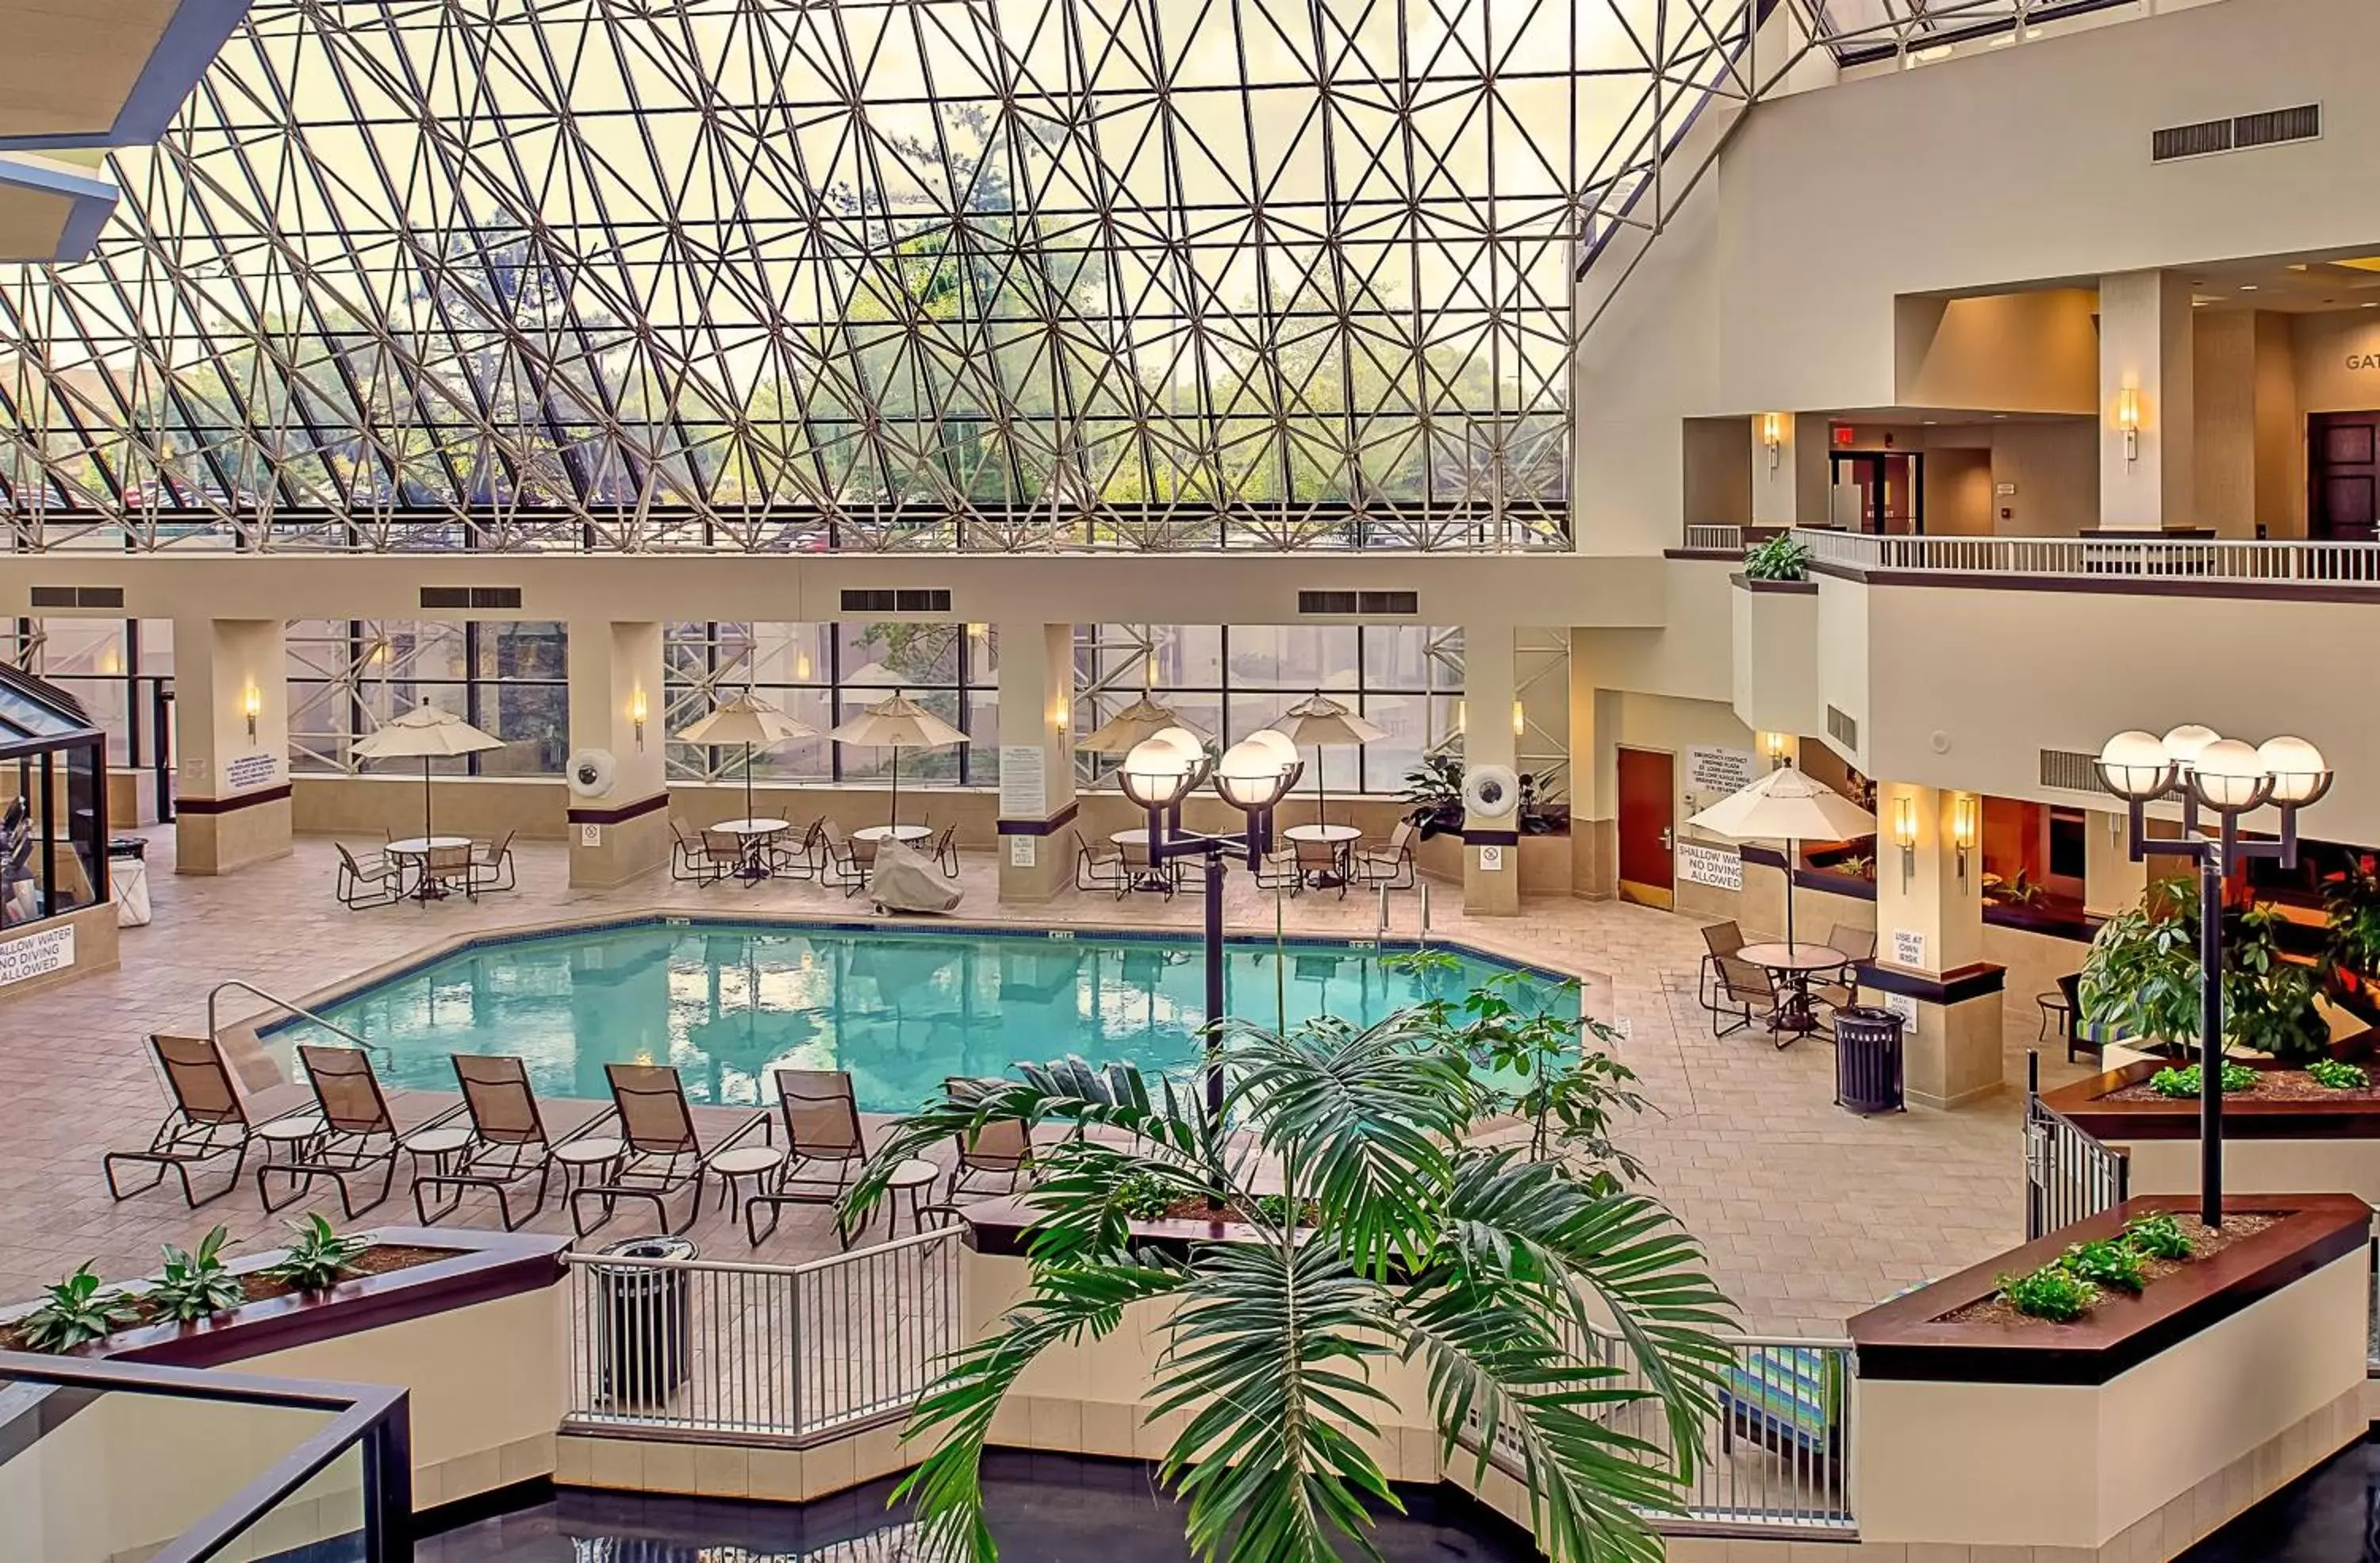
x,y
1809,1213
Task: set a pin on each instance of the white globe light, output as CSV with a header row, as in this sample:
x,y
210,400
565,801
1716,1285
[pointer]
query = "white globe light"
x,y
1275,743
1191,746
2300,773
2228,777
1156,758
2186,743
2135,766
1251,776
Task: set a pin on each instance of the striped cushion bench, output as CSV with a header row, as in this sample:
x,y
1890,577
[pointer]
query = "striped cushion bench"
x,y
1783,1395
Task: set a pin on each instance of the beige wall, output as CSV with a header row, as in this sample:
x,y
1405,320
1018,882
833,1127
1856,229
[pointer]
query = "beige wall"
x,y
97,945
1957,492
2337,357
1724,465
2250,444
1776,639
2035,351
2055,470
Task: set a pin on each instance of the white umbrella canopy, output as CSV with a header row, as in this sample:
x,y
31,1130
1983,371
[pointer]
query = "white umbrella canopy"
x,y
1123,732
426,733
1790,805
746,719
1319,721
896,724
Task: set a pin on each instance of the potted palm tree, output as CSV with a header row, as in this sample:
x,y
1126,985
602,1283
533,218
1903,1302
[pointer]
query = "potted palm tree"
x,y
1398,1241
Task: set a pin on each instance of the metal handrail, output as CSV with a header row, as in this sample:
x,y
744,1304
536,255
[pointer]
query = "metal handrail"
x,y
582,1259
303,1012
2110,558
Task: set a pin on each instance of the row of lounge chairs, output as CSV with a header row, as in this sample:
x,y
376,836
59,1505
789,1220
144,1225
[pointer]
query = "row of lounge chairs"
x,y
644,1149
823,852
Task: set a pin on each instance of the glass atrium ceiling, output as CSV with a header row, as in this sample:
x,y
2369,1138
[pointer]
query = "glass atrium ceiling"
x,y
799,274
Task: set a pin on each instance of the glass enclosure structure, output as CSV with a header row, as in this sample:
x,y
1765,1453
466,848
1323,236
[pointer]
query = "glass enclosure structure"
x,y
54,824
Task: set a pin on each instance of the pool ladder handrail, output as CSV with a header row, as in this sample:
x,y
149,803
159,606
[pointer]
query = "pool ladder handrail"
x,y
215,1030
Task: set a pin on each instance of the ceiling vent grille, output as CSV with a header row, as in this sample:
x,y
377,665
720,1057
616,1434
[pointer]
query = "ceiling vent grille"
x,y
471,597
1842,727
1381,604
78,596
2072,772
906,599
2208,136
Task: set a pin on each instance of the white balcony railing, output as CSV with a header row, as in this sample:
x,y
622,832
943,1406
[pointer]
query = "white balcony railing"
x,y
2103,558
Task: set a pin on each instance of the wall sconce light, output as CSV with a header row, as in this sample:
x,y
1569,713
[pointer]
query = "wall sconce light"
x,y
801,667
1904,834
1779,757
1962,828
251,706
2128,419
1772,436
636,713
1461,716
1062,715
1520,721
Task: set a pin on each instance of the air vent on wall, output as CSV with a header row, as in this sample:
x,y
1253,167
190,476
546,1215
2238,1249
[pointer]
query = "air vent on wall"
x,y
2210,136
1842,727
471,596
908,600
2068,771
1379,603
78,596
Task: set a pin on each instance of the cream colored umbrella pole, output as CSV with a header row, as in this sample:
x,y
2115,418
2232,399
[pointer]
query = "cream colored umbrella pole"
x,y
1318,720
896,724
1791,806
425,732
747,720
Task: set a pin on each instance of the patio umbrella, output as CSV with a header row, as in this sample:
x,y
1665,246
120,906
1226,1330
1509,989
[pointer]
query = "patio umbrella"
x,y
896,724
425,732
1788,806
1317,722
747,720
1143,719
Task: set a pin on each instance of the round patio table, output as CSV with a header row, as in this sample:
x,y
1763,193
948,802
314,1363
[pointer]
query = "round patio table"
x,y
1796,964
1338,837
1151,877
414,851
756,834
902,833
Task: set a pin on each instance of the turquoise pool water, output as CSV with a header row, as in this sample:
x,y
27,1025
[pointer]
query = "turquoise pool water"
x,y
900,1009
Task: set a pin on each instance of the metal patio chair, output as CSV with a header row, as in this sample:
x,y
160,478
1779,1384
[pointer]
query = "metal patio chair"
x,y
663,1155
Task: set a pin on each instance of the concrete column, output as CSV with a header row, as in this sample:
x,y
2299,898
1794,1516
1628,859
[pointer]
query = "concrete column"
x,y
2112,882
622,831
2145,354
1594,816
1491,850
1037,760
1929,911
231,770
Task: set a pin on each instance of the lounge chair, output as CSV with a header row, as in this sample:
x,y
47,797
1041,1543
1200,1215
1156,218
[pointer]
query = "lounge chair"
x,y
208,1120
822,1121
1746,991
491,865
359,1134
1100,867
508,1140
1002,1148
687,862
449,869
1318,864
1388,863
664,1156
1719,939
377,880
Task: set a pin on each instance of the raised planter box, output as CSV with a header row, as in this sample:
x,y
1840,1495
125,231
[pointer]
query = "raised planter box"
x,y
2269,1145
2139,1428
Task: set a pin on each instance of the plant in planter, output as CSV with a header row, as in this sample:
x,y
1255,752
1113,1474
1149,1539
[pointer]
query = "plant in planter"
x,y
2333,1075
2183,1083
1144,1196
2052,1293
1781,558
1433,793
2143,975
75,1312
2157,1236
1477,1263
195,1286
317,1256
2017,890
2108,1262
2351,952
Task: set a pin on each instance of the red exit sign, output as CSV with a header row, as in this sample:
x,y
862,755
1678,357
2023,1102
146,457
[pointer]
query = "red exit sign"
x,y
1844,433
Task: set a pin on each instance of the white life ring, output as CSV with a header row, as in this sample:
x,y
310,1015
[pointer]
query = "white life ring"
x,y
1490,791
591,773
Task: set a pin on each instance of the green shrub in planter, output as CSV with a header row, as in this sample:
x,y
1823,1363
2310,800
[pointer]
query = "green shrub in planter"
x,y
2333,1075
196,1286
1782,558
2106,1262
2158,1237
317,1256
1145,1196
2188,1082
2052,1293
76,1311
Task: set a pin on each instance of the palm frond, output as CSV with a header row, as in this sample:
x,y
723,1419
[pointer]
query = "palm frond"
x,y
1066,1304
1269,1351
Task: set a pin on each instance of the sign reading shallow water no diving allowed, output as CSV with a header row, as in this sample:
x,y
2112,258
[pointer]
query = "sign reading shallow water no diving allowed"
x,y
51,949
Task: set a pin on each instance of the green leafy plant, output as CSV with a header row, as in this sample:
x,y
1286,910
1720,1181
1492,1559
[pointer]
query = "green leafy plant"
x,y
1858,865
2157,1236
1276,1210
1145,1196
2051,1293
195,1286
2350,950
1433,796
1474,1263
2189,1081
2017,890
2142,976
1781,558
317,1256
2335,1074
78,1309
2106,1262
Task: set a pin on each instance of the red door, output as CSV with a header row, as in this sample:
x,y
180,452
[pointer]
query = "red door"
x,y
1647,826
2343,467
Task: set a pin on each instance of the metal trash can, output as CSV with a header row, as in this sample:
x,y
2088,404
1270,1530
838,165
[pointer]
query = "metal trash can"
x,y
644,1335
128,877
1867,1060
